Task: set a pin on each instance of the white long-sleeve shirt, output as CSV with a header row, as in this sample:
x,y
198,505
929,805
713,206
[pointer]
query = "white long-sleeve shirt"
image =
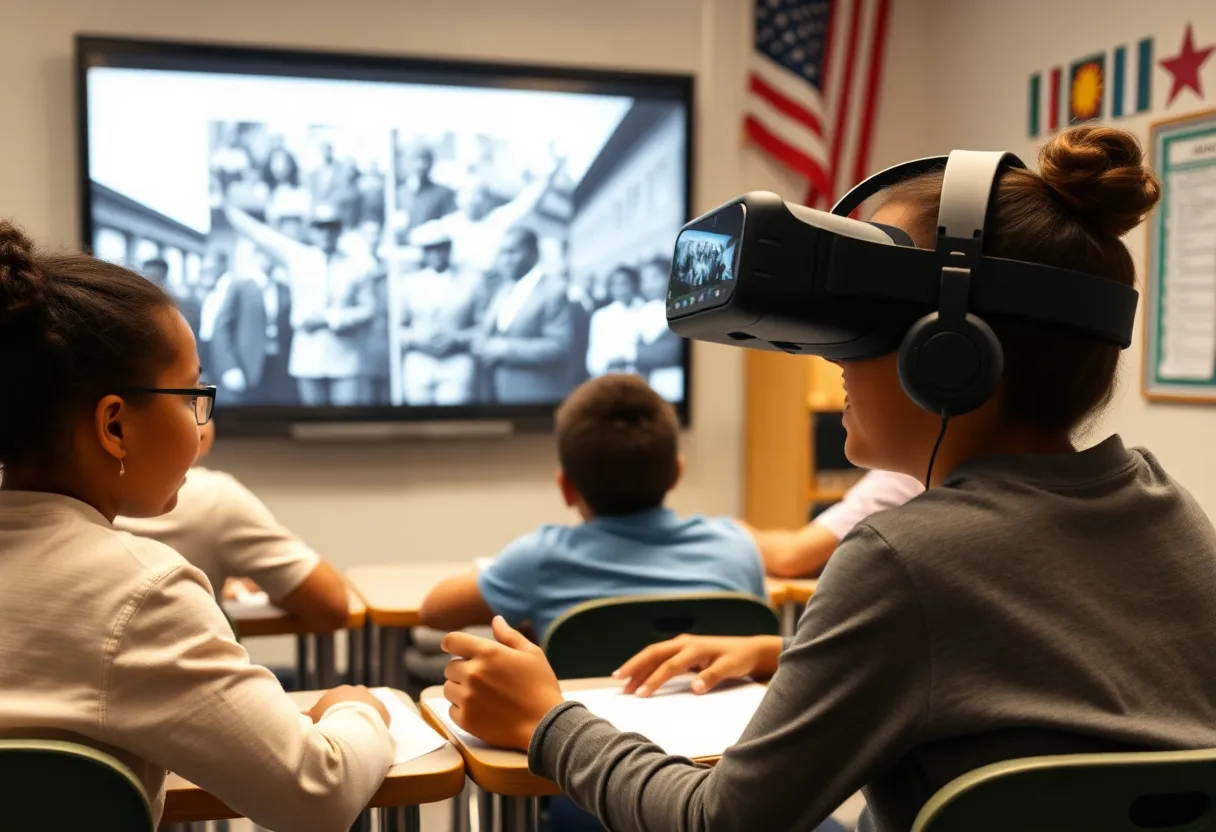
x,y
116,642
876,491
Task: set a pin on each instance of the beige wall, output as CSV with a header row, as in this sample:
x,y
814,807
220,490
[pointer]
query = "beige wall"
x,y
425,499
981,58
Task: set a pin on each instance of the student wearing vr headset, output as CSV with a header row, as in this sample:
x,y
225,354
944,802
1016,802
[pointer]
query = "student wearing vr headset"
x,y
1037,599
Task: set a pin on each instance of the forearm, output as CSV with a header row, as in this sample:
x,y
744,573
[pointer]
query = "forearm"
x,y
182,694
851,692
795,554
319,600
626,781
454,604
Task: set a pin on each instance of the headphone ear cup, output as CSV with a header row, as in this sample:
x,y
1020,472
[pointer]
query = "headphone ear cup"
x,y
950,370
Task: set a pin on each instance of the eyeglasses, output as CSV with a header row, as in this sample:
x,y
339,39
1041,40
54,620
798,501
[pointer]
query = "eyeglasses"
x,y
202,398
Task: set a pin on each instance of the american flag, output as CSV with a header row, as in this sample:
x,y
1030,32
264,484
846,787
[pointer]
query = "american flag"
x,y
813,89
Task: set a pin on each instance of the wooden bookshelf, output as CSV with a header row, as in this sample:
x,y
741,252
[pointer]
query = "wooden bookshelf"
x,y
784,393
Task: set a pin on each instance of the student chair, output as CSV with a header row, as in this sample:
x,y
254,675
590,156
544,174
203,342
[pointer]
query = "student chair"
x,y
1166,791
597,637
55,786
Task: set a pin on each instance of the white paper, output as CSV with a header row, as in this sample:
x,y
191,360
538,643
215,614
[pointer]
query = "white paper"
x,y
1188,302
673,718
249,605
412,738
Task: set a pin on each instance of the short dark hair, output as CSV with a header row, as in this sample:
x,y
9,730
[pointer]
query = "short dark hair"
x,y
1093,188
618,443
72,329
631,274
527,238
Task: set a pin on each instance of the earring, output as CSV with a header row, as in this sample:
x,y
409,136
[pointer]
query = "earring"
x,y
122,469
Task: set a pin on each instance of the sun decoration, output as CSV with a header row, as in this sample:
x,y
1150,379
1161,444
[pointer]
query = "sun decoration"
x,y
1086,92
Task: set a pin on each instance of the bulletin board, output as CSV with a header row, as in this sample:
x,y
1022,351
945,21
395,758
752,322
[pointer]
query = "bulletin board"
x,y
1180,320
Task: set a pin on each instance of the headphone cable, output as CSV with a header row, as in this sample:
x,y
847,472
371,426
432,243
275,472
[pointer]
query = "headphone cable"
x,y
936,447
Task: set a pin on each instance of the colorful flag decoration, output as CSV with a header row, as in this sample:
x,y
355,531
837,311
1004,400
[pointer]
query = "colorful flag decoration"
x,y
1084,93
813,88
1126,98
1086,86
1045,102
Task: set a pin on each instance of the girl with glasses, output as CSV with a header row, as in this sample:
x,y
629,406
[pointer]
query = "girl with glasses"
x,y
113,640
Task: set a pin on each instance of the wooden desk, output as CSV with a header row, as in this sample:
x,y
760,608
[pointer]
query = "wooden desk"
x,y
800,590
787,595
775,587
315,660
276,622
504,774
393,594
429,779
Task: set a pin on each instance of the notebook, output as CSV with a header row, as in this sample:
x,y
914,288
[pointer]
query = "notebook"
x,y
673,718
412,738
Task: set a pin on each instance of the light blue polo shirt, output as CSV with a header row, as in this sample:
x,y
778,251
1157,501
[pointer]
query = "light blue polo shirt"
x,y
541,575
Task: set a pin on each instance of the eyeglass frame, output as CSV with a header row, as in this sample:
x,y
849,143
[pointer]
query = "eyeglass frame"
x,y
203,391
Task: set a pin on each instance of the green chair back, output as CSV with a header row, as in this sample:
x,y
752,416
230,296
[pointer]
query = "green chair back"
x,y
595,638
54,786
1168,791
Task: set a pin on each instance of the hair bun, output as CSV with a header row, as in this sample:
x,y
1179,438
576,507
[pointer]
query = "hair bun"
x,y
21,281
1100,175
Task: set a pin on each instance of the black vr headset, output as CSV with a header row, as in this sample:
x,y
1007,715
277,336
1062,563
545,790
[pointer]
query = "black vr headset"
x,y
759,272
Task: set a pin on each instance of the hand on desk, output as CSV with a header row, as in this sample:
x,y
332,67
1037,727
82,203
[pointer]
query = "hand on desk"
x,y
500,691
347,693
712,658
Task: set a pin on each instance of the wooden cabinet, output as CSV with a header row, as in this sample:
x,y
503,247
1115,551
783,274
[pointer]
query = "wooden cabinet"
x,y
785,394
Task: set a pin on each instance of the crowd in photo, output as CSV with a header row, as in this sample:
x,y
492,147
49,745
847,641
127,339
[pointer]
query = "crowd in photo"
x,y
348,269
487,310
706,258
294,299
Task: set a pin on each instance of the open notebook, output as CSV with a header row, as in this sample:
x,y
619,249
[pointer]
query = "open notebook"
x,y
412,738
673,718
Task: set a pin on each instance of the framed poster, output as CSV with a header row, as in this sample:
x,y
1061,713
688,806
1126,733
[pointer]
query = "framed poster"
x,y
1180,319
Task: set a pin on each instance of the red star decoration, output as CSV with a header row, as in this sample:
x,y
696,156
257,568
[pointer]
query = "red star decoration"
x,y
1185,66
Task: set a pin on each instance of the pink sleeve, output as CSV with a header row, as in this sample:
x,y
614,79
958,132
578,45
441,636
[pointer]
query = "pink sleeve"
x,y
876,491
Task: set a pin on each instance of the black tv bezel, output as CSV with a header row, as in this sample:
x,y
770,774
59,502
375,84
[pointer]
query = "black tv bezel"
x,y
91,50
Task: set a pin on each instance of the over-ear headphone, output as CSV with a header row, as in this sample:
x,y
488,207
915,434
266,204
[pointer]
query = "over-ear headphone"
x,y
950,360
808,282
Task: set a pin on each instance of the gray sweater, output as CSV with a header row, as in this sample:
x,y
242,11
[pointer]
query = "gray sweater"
x,y
1032,605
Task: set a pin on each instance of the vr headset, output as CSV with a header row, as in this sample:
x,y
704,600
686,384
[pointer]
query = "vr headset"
x,y
761,273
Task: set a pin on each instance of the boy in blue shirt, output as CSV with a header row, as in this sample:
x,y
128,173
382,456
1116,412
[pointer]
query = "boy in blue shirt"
x,y
617,444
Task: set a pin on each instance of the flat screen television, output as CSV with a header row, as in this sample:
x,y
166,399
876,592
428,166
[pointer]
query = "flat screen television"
x,y
380,242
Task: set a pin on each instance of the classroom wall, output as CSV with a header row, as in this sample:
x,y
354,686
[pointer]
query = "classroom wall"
x,y
437,499
978,71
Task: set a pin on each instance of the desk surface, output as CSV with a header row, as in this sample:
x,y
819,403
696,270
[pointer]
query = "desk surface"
x,y
275,622
503,772
394,592
428,779
797,590
776,589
